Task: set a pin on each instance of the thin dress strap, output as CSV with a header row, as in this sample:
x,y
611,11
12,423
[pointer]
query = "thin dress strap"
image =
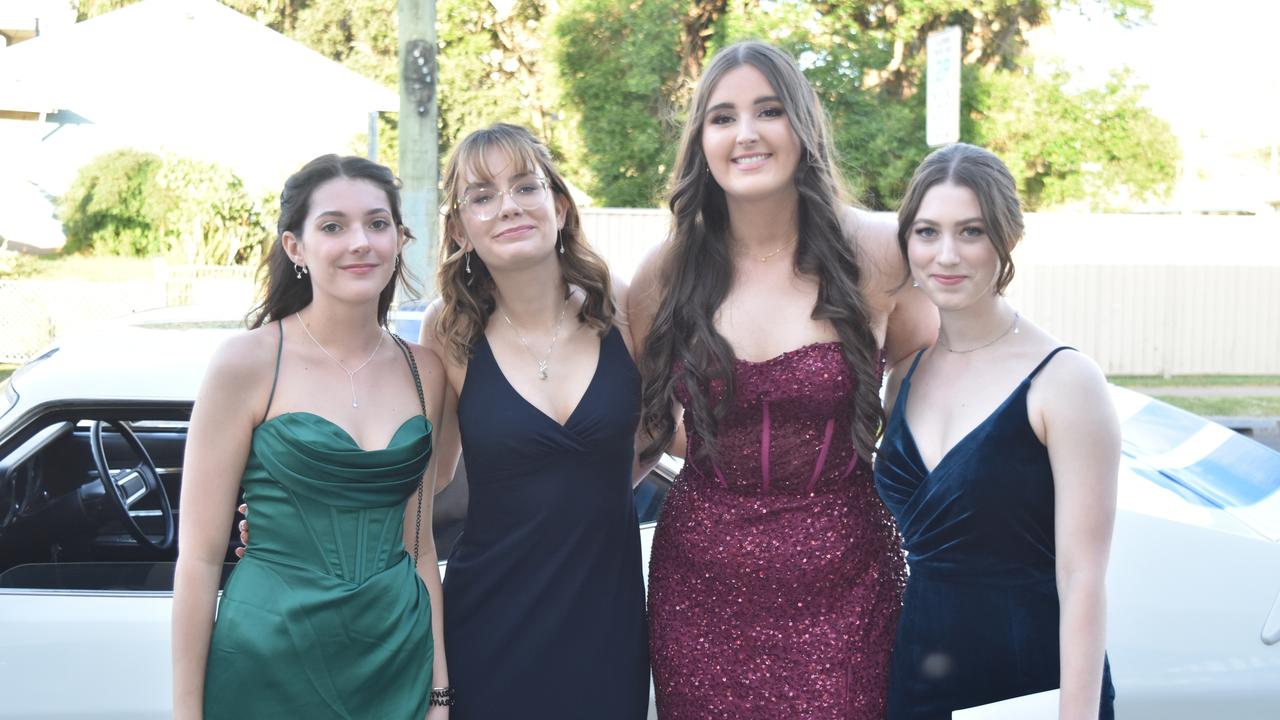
x,y
1046,360
905,387
275,378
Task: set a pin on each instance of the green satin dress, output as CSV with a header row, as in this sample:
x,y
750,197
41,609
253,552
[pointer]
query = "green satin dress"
x,y
325,617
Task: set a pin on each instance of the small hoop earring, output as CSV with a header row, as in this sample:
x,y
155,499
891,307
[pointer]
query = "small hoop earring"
x,y
300,270
397,261
560,237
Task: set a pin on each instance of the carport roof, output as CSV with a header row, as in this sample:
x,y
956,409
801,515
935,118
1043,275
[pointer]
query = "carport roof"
x,y
173,57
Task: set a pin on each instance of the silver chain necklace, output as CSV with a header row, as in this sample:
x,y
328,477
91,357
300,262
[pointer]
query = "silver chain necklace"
x,y
1013,327
351,374
555,334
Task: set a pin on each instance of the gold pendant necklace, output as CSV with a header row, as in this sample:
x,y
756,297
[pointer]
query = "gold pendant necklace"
x,y
545,361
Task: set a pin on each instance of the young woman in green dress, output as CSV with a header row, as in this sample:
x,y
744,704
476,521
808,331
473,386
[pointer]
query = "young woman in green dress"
x,y
325,419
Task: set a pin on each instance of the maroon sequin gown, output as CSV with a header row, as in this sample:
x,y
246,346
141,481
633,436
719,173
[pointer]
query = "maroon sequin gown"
x,y
776,574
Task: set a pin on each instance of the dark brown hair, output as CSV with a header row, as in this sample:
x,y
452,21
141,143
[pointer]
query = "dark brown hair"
x,y
284,293
698,267
467,299
990,180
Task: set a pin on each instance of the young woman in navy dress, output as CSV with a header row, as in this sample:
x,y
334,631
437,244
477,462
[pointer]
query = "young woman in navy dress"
x,y
999,463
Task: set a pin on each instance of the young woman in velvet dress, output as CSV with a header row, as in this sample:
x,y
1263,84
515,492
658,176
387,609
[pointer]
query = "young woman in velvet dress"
x,y
999,463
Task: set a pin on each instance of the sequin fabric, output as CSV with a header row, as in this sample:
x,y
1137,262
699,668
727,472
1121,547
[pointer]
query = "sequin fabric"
x,y
776,573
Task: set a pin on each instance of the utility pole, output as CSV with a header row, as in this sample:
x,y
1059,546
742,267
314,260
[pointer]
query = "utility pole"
x,y
419,141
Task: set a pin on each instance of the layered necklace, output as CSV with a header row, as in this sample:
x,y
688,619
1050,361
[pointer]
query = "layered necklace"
x,y
351,374
1013,328
545,361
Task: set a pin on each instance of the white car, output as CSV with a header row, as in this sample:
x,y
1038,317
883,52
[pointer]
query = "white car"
x,y
86,554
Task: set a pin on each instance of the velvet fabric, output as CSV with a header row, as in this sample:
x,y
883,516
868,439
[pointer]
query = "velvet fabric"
x,y
980,613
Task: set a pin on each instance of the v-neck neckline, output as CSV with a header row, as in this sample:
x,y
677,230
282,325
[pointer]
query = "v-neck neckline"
x,y
586,391
911,435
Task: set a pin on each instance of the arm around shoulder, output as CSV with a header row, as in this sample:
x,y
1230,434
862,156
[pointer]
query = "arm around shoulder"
x,y
912,323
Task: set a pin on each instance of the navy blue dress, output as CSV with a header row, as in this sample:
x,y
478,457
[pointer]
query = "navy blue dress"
x,y
544,592
980,614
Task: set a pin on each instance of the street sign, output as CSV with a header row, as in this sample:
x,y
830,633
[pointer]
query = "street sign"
x,y
942,102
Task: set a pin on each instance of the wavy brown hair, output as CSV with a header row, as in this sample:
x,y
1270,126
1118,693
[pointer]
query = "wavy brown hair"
x,y
990,180
283,293
698,271
467,299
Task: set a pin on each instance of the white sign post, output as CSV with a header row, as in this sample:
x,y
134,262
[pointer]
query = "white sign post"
x,y
942,122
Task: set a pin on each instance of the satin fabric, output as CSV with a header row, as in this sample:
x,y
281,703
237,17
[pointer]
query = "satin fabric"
x,y
545,589
980,614
325,617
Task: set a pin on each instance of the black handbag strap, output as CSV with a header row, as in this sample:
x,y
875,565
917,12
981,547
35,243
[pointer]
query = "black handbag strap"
x,y
422,402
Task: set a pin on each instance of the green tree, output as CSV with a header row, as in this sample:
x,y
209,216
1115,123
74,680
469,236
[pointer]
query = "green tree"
x,y
127,202
110,208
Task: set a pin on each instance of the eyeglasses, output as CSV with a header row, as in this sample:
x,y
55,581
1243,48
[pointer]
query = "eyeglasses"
x,y
485,203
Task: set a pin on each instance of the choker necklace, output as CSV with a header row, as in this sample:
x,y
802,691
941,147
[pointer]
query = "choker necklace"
x,y
1013,327
555,334
351,374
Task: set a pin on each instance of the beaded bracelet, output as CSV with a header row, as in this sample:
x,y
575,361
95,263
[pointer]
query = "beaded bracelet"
x,y
441,697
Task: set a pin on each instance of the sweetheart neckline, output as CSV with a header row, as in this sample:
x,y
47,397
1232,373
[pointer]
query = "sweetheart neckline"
x,y
350,438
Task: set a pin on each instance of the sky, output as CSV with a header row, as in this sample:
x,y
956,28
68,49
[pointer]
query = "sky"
x,y
1211,66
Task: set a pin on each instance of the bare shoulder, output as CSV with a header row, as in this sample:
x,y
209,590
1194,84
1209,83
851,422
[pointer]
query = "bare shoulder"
x,y
874,236
246,359
429,337
429,364
1071,372
645,293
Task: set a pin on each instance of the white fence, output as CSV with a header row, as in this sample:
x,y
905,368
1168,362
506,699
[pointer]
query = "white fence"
x,y
1144,295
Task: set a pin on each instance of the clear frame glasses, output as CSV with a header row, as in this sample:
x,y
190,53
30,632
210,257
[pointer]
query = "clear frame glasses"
x,y
484,203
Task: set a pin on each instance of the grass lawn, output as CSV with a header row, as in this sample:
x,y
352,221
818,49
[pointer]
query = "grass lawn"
x,y
1240,406
6,370
81,267
1193,380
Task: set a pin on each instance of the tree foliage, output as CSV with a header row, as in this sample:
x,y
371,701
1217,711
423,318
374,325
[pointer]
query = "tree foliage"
x,y
127,202
605,82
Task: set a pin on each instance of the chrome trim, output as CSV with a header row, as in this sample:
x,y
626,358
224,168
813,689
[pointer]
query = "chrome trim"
x,y
87,593
124,477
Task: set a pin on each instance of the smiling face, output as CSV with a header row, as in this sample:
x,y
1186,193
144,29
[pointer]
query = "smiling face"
x,y
747,138
949,250
349,240
509,214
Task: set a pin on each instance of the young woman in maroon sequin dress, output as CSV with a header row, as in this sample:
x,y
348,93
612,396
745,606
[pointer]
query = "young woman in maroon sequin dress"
x,y
776,573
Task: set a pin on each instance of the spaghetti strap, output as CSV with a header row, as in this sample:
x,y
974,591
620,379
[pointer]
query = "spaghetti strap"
x,y
276,377
1046,360
912,370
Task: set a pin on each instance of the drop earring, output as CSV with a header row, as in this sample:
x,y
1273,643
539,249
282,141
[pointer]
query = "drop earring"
x,y
915,283
468,262
299,270
560,237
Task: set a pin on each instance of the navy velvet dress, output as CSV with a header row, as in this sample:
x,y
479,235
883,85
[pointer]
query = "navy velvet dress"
x,y
980,615
544,592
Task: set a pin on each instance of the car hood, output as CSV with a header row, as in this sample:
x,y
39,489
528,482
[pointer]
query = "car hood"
x,y
1178,464
115,364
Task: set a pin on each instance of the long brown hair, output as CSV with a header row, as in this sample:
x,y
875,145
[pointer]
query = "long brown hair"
x,y
284,292
698,268
467,298
990,180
